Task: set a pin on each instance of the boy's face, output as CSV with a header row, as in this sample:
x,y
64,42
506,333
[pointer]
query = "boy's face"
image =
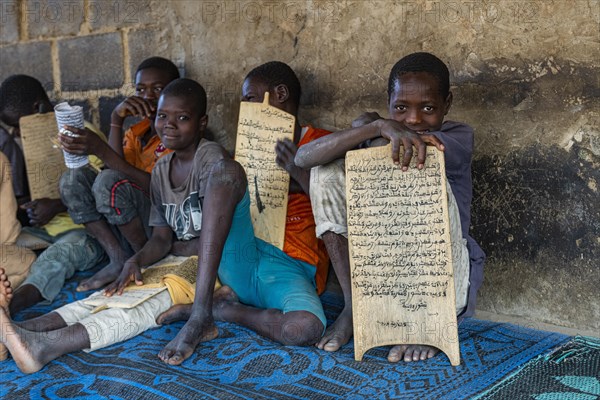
x,y
417,102
177,122
253,90
11,117
149,83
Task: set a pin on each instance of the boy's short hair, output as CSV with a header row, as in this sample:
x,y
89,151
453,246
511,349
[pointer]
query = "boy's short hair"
x,y
188,89
160,63
275,73
421,62
18,93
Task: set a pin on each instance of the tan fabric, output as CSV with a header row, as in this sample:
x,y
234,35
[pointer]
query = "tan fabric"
x,y
9,226
328,197
15,260
460,254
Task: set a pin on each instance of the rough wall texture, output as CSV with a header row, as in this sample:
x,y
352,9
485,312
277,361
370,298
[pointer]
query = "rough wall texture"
x,y
524,73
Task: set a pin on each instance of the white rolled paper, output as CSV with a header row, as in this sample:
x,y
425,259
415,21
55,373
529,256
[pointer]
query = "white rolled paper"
x,y
72,116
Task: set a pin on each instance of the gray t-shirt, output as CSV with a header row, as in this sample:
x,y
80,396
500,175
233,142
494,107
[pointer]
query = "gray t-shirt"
x,y
180,207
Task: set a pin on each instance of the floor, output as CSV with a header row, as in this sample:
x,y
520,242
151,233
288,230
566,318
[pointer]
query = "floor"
x,y
333,285
516,320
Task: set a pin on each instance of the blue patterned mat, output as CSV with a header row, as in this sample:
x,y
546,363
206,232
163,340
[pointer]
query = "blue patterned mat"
x,y
570,372
241,365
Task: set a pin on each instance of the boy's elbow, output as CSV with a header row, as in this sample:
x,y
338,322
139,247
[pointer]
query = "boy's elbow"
x,y
302,159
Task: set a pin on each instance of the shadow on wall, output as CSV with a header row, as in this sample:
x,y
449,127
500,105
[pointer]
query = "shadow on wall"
x,y
534,199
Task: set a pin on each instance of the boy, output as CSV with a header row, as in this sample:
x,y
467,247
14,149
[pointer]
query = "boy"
x,y
202,173
114,205
19,95
419,98
264,289
300,242
71,248
284,89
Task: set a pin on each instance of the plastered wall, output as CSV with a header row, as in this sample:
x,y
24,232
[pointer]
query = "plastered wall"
x,y
525,75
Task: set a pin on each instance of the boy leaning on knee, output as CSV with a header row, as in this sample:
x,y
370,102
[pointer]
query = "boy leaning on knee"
x,y
418,99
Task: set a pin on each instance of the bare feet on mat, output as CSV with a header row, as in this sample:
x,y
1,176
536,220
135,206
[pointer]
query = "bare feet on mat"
x,y
6,294
6,291
339,333
101,278
23,351
182,347
411,352
179,312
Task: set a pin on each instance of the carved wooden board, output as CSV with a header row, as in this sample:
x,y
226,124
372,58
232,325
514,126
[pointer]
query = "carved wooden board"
x,y
259,127
43,156
400,253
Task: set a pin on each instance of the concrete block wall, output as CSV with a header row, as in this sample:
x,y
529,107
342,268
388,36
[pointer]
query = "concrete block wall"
x,y
524,75
85,52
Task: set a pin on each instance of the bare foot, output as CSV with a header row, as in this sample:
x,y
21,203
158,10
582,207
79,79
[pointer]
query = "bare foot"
x,y
101,278
339,333
6,291
193,333
223,299
179,312
22,350
6,294
412,352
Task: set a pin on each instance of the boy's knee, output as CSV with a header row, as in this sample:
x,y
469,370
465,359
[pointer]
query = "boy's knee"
x,y
301,328
329,175
106,180
75,181
105,189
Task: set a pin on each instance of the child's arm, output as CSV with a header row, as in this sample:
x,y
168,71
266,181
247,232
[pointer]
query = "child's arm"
x,y
226,187
41,211
132,106
285,151
331,147
458,139
156,248
185,248
87,142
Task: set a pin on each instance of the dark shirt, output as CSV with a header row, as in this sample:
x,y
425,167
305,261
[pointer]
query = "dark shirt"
x,y
458,140
13,152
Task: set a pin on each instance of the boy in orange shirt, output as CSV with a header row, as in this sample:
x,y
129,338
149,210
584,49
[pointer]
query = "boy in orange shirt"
x,y
284,89
114,205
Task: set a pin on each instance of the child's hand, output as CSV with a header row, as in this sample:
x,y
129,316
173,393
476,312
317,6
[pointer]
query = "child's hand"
x,y
41,211
131,272
399,135
86,142
135,106
285,151
365,118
